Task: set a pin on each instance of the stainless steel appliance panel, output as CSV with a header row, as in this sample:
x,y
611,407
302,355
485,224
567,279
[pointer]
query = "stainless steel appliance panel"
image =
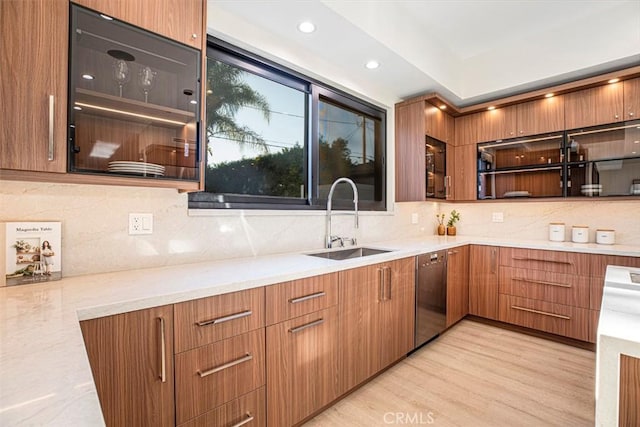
x,y
431,296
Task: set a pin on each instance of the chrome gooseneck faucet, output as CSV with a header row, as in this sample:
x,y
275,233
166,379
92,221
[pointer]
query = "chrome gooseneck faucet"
x,y
329,238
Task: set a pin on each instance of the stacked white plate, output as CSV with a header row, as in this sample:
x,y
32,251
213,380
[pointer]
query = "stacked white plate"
x,y
136,168
591,189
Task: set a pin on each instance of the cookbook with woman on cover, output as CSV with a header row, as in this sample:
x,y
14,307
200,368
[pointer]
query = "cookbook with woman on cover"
x,y
32,252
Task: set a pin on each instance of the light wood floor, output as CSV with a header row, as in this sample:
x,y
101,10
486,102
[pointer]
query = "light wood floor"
x,y
476,375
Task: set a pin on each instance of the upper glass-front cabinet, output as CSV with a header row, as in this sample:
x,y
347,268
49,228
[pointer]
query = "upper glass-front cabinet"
x,y
592,162
529,167
436,173
604,161
134,101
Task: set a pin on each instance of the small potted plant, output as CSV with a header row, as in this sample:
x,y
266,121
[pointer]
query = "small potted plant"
x,y
441,230
454,217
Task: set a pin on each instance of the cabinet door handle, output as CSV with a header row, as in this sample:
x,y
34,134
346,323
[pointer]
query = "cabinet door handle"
x,y
225,318
544,313
542,282
307,297
452,252
494,260
306,325
163,350
447,186
380,285
228,365
51,147
388,281
245,421
541,260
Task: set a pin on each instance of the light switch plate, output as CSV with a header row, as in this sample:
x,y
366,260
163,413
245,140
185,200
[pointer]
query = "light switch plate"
x,y
140,223
497,217
414,218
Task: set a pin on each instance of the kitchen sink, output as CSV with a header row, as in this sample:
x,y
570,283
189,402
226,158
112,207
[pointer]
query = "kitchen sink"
x,y
349,253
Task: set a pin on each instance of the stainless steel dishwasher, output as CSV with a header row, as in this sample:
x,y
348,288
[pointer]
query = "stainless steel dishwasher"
x,y
431,296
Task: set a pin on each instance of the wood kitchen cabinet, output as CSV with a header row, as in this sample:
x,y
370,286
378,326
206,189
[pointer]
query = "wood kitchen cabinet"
x,y
631,99
180,20
438,124
457,284
483,281
131,358
596,106
376,310
464,177
540,116
598,268
302,366
33,87
410,153
466,130
302,347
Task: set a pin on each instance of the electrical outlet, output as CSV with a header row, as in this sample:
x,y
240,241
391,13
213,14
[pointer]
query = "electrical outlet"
x,y
414,218
497,217
140,223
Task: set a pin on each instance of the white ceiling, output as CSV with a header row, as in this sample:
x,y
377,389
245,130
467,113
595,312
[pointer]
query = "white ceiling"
x,y
467,50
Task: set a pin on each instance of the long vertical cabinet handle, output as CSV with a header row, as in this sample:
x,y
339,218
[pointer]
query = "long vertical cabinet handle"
x,y
163,350
51,127
388,281
447,186
380,284
494,259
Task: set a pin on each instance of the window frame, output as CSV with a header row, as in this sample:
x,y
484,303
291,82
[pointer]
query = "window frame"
x,y
238,57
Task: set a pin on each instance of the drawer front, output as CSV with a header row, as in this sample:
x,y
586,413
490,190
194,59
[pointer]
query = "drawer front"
x,y
299,297
559,288
212,375
247,410
600,262
207,320
572,322
554,261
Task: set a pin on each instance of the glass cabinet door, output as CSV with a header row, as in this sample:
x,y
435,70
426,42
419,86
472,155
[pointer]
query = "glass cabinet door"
x,y
435,163
134,101
604,161
521,168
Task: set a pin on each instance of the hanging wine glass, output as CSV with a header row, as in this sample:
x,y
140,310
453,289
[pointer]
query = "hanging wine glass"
x,y
146,79
121,73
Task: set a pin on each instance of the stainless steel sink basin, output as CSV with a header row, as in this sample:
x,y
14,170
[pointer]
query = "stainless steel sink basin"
x,y
349,253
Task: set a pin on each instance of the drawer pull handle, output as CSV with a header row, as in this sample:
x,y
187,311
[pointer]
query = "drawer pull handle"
x,y
307,325
545,313
245,421
226,366
307,297
225,318
381,294
542,282
542,260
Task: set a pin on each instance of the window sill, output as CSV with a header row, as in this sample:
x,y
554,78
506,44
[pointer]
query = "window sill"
x,y
265,212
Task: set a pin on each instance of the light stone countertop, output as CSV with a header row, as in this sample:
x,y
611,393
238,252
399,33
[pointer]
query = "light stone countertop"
x,y
45,377
618,333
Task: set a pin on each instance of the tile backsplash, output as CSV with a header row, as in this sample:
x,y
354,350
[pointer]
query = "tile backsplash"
x,y
95,224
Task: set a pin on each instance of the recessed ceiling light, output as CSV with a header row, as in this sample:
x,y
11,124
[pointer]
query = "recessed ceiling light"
x,y
616,80
193,101
491,108
549,95
306,27
107,17
636,142
633,152
443,107
372,65
77,108
88,77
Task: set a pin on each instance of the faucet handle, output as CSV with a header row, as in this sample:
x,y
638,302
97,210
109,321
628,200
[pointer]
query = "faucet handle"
x,y
337,239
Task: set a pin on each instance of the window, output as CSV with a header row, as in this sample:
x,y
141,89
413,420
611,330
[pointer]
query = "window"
x,y
278,140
